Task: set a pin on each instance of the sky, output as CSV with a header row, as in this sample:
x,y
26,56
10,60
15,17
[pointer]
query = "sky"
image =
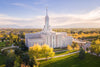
x,y
62,13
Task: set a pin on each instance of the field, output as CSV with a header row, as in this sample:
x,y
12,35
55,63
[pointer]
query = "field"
x,y
72,61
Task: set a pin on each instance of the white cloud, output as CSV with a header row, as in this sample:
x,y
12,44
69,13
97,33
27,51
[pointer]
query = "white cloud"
x,y
25,6
55,19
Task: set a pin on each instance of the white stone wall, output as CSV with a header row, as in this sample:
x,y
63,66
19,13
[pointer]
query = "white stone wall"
x,y
53,40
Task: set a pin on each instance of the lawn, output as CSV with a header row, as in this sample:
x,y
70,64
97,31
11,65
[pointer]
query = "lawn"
x,y
64,52
2,60
4,44
72,61
59,49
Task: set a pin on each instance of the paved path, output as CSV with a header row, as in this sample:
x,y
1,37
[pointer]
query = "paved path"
x,y
59,55
9,48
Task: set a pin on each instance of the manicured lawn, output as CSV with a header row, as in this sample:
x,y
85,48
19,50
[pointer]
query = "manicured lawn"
x,y
64,52
2,60
72,61
59,49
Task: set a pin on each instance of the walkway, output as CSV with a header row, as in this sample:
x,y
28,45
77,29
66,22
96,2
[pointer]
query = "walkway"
x,y
9,48
59,55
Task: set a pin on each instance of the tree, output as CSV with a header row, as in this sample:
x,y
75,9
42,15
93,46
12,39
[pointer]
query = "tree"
x,y
17,62
97,41
69,47
23,46
25,59
23,35
18,52
47,51
11,53
92,48
77,47
11,37
87,49
81,54
33,62
97,50
10,62
73,45
35,51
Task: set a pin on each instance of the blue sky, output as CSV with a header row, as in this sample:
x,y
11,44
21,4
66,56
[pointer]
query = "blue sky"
x,y
30,9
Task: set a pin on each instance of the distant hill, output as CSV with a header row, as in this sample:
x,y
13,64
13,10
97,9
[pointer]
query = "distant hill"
x,y
81,25
76,25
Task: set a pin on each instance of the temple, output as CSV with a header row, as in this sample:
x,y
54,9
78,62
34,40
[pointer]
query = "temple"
x,y
47,36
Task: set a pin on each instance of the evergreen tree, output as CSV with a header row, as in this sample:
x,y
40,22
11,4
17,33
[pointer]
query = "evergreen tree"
x,y
25,59
18,52
81,54
33,62
10,62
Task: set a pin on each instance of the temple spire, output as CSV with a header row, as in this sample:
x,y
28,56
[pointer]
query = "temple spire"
x,y
46,26
46,11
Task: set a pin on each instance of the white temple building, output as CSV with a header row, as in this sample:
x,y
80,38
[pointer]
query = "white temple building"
x,y
47,36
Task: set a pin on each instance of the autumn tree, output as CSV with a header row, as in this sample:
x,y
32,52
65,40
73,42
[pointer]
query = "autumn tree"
x,y
97,50
35,50
69,47
47,51
92,48
97,42
77,47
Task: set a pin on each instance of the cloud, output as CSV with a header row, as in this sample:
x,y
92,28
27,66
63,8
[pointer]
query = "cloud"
x,y
56,20
40,2
25,6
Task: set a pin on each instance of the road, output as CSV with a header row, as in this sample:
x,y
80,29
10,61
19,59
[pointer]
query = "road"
x,y
59,55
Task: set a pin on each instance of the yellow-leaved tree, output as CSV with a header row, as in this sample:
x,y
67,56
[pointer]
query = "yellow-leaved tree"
x,y
69,47
35,50
47,51
97,41
77,47
97,50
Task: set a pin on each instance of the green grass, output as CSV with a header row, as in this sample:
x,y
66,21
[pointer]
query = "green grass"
x,y
72,61
59,49
3,44
64,52
2,60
